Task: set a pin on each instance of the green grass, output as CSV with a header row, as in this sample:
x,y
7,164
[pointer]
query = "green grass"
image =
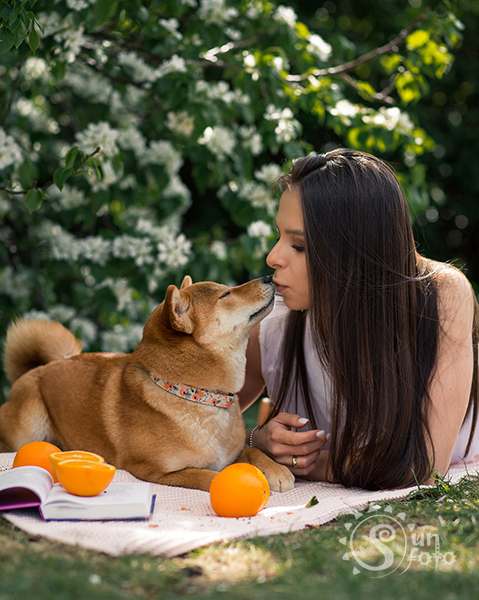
x,y
306,564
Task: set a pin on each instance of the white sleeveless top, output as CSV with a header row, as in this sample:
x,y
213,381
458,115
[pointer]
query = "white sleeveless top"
x,y
271,333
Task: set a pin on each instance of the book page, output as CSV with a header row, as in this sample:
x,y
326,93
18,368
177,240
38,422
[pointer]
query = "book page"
x,y
24,487
116,493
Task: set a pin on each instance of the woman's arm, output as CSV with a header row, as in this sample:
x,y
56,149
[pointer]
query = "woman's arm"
x,y
279,438
451,384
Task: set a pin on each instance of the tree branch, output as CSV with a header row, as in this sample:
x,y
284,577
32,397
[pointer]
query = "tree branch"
x,y
371,55
49,183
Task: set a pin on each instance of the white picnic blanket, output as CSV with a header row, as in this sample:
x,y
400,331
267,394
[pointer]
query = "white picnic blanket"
x,y
183,519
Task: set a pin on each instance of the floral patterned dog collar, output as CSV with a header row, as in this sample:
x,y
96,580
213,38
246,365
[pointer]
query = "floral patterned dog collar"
x,y
194,394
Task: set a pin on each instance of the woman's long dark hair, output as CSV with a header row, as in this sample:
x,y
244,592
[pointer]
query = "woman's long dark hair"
x,y
374,320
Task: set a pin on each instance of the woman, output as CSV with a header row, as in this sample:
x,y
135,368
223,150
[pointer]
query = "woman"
x,y
372,351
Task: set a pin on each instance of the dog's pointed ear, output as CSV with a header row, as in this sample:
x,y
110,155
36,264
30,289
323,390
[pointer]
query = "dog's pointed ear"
x,y
186,282
179,309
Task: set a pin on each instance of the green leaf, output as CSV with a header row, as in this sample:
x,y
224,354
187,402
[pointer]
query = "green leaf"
x,y
407,87
417,38
60,176
20,33
103,10
34,39
5,12
6,39
70,157
312,502
33,200
16,10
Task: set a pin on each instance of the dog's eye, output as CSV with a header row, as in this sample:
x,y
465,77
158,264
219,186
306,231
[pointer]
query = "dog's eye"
x,y
225,294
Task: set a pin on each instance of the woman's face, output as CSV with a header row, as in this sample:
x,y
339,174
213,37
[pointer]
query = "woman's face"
x,y
288,257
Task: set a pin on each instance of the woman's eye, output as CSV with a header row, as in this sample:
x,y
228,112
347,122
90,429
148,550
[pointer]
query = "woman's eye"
x,y
298,248
225,294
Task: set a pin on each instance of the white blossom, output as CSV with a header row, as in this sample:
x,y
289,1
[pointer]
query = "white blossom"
x,y
15,285
219,249
127,246
221,91
285,14
287,127
124,294
5,206
121,339
89,84
268,173
176,187
77,5
51,22
181,123
84,329
73,40
162,152
36,113
95,249
132,139
176,64
171,25
251,139
175,251
61,313
35,68
318,47
219,140
258,195
392,119
137,67
344,110
259,229
10,151
99,134
63,245
215,11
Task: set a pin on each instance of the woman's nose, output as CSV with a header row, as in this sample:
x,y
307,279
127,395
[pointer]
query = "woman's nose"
x,y
273,260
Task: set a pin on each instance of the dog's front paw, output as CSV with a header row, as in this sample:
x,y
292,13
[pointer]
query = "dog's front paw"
x,y
280,479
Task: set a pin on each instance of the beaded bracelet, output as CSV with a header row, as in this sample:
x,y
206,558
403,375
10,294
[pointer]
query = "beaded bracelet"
x,y
251,435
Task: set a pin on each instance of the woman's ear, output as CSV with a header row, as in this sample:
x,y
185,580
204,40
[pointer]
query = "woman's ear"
x,y
178,305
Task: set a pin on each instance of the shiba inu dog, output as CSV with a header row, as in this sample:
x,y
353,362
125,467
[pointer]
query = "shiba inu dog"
x,y
167,412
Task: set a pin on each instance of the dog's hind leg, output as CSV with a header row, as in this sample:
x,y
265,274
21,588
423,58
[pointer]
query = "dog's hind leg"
x,y
198,479
24,417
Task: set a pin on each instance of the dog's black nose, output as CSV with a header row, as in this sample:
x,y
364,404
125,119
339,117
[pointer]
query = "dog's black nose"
x,y
267,279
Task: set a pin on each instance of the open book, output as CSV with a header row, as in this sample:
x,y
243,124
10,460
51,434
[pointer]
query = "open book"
x,y
25,487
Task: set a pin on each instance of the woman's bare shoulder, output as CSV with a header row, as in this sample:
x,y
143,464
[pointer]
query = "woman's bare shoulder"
x,y
454,291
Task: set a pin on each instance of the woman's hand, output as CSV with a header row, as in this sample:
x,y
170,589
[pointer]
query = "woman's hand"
x,y
298,450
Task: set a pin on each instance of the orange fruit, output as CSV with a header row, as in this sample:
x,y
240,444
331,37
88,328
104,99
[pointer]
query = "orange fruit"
x,y
36,454
56,457
240,490
83,477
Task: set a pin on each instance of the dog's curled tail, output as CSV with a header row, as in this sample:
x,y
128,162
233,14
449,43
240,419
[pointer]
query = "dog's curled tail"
x,y
31,343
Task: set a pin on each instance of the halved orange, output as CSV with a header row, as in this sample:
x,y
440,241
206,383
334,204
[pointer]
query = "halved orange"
x,y
85,478
57,457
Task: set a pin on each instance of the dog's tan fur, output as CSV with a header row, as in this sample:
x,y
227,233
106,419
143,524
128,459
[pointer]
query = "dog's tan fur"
x,y
108,404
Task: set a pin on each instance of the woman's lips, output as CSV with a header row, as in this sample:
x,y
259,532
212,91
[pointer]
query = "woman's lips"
x,y
279,288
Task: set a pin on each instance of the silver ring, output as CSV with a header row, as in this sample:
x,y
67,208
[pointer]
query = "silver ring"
x,y
294,461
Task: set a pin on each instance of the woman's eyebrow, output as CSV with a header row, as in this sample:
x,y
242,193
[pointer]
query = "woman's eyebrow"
x,y
297,232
